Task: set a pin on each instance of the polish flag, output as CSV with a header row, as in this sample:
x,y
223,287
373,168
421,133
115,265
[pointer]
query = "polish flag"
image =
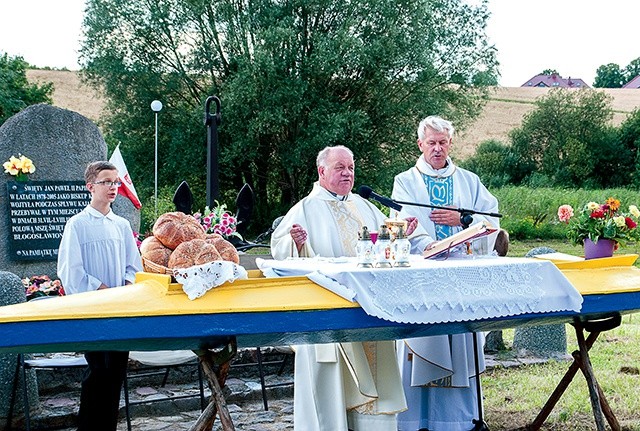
x,y
126,189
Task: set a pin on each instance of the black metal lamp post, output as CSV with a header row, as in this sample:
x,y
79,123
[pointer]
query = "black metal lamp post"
x,y
212,121
156,106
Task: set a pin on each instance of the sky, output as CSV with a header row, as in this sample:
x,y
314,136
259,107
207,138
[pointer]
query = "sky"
x,y
574,37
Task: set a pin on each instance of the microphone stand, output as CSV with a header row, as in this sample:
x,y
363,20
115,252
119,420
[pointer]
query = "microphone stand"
x,y
478,424
466,218
466,215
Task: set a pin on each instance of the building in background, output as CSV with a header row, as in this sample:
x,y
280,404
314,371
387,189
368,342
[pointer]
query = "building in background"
x,y
555,81
634,83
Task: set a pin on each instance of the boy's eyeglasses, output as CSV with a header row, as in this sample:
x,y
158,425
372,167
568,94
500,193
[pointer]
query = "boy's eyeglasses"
x,y
109,183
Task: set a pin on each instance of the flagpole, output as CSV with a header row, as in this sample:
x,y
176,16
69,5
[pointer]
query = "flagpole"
x,y
156,106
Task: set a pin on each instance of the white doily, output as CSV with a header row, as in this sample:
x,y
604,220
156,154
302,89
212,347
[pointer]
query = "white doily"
x,y
430,291
198,279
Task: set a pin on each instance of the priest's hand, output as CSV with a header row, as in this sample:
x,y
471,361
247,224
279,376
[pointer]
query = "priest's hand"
x,y
412,224
299,236
445,217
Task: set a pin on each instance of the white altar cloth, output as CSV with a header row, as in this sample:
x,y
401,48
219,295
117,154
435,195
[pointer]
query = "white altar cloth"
x,y
432,291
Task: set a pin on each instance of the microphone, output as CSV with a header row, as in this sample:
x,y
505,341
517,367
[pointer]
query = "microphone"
x,y
367,193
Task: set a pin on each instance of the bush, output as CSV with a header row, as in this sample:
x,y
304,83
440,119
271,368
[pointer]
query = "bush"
x,y
491,163
567,139
148,214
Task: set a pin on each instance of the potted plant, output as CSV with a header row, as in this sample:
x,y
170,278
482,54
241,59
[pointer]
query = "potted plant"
x,y
601,227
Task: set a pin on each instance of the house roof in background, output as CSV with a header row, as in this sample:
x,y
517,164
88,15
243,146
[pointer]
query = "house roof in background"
x,y
634,83
555,80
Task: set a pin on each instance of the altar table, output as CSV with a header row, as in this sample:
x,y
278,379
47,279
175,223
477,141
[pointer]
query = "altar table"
x,y
155,314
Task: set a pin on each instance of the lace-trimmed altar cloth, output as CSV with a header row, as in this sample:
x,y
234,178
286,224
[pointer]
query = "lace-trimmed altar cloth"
x,y
198,279
430,291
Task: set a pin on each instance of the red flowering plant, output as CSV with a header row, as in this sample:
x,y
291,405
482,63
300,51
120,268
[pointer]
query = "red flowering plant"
x,y
218,220
42,285
138,238
601,221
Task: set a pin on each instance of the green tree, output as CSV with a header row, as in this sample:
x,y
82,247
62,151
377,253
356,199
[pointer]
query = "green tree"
x,y
609,76
293,76
550,72
16,93
630,143
566,141
485,78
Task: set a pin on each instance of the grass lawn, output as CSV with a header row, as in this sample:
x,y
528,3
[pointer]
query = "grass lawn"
x,y
520,248
513,397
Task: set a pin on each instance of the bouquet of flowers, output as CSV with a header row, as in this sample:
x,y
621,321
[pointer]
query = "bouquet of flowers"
x,y
218,220
41,285
601,221
19,167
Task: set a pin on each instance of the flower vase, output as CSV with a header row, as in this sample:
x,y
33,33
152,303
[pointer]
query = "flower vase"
x,y
603,248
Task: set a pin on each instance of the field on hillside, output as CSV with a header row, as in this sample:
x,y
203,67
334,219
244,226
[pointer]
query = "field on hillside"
x,y
508,105
69,92
504,111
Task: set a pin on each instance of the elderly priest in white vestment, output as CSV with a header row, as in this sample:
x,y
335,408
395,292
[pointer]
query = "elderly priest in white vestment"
x,y
338,386
438,372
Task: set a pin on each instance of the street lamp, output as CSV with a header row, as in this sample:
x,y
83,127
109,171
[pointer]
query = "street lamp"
x,y
156,106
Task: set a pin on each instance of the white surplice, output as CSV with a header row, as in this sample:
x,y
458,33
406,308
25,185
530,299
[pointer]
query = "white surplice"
x,y
438,372
339,386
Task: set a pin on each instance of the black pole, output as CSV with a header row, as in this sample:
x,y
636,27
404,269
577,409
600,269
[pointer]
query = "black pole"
x,y
478,424
212,122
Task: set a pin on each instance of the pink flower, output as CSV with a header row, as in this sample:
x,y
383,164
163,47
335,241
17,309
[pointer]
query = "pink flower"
x,y
565,212
228,231
597,214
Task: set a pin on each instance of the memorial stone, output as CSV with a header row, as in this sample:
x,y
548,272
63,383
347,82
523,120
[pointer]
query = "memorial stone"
x,y
12,384
541,340
60,143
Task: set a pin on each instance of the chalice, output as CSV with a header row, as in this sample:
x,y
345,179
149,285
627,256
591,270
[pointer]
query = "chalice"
x,y
394,225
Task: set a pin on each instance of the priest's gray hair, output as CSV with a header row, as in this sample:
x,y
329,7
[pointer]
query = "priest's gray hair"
x,y
434,123
321,160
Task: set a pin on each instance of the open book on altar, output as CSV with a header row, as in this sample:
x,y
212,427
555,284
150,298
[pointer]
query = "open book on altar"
x,y
474,231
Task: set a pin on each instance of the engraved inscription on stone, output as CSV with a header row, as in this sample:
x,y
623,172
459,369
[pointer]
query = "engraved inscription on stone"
x,y
38,211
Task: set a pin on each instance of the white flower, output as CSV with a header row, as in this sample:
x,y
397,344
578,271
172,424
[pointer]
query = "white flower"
x,y
593,206
619,221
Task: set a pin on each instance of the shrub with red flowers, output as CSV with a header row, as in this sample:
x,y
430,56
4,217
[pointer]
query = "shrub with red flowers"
x,y
601,221
42,285
218,220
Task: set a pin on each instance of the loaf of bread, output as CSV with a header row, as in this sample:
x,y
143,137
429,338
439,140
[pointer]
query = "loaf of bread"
x,y
174,228
225,248
193,252
155,251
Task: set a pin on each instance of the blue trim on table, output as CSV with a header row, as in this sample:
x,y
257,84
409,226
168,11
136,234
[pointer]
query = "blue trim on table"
x,y
171,332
